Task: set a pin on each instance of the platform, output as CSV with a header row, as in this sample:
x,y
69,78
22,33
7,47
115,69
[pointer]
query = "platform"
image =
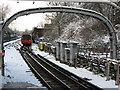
x,y
22,86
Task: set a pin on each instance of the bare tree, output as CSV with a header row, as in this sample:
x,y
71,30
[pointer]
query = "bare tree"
x,y
4,10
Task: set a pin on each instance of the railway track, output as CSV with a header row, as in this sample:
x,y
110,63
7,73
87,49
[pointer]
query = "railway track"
x,y
53,76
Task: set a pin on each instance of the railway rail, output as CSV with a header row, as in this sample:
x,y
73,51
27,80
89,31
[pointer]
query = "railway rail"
x,y
53,76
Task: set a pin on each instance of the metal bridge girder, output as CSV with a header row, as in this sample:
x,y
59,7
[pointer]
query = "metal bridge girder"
x,y
87,12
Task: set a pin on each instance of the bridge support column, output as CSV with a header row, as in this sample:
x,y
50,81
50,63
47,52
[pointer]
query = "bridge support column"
x,y
1,69
63,45
73,52
57,51
0,46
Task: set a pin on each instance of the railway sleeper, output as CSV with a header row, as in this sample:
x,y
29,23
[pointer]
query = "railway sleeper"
x,y
71,85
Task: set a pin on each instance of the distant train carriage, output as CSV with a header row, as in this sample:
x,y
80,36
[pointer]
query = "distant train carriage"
x,y
26,40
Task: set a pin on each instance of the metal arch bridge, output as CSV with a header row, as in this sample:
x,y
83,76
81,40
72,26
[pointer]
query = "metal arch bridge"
x,y
112,34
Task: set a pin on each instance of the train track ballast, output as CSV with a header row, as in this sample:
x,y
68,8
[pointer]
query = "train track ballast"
x,y
54,77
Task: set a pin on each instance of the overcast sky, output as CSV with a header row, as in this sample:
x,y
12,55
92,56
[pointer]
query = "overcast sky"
x,y
25,22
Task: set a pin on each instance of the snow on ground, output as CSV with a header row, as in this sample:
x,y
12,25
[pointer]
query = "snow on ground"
x,y
16,70
12,42
81,72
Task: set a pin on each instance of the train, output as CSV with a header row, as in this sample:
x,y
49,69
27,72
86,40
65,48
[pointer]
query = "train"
x,y
26,40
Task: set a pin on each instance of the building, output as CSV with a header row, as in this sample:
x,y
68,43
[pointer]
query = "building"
x,y
37,33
